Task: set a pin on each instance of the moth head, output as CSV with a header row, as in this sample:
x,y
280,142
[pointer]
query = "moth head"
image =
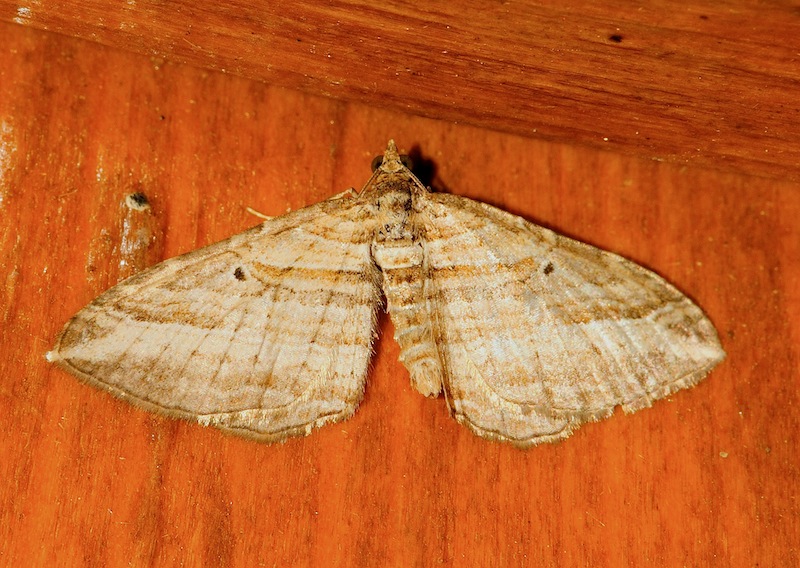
x,y
391,161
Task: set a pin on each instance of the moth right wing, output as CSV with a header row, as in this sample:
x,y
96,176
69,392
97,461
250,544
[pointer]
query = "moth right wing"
x,y
266,334
539,333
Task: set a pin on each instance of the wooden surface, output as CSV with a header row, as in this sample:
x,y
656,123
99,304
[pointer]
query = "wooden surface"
x,y
708,477
697,82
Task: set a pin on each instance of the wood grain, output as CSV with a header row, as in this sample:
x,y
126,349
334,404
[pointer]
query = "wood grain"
x,y
706,477
700,82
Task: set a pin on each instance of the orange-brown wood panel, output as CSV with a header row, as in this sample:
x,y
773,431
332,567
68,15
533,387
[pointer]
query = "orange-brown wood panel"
x,y
705,477
699,82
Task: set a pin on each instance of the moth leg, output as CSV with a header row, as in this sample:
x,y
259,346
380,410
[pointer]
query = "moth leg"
x,y
258,214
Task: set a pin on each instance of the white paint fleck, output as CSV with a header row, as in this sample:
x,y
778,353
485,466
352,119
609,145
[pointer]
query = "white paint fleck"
x,y
23,15
7,149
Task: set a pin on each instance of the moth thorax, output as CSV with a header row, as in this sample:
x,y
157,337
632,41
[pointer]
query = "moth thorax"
x,y
393,198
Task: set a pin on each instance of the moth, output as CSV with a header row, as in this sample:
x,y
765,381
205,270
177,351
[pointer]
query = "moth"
x,y
268,334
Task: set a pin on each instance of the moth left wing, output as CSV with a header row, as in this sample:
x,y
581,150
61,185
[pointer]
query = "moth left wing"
x,y
539,333
266,334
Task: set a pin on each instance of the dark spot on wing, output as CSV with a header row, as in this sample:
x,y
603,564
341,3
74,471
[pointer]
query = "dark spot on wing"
x,y
616,38
549,268
239,273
